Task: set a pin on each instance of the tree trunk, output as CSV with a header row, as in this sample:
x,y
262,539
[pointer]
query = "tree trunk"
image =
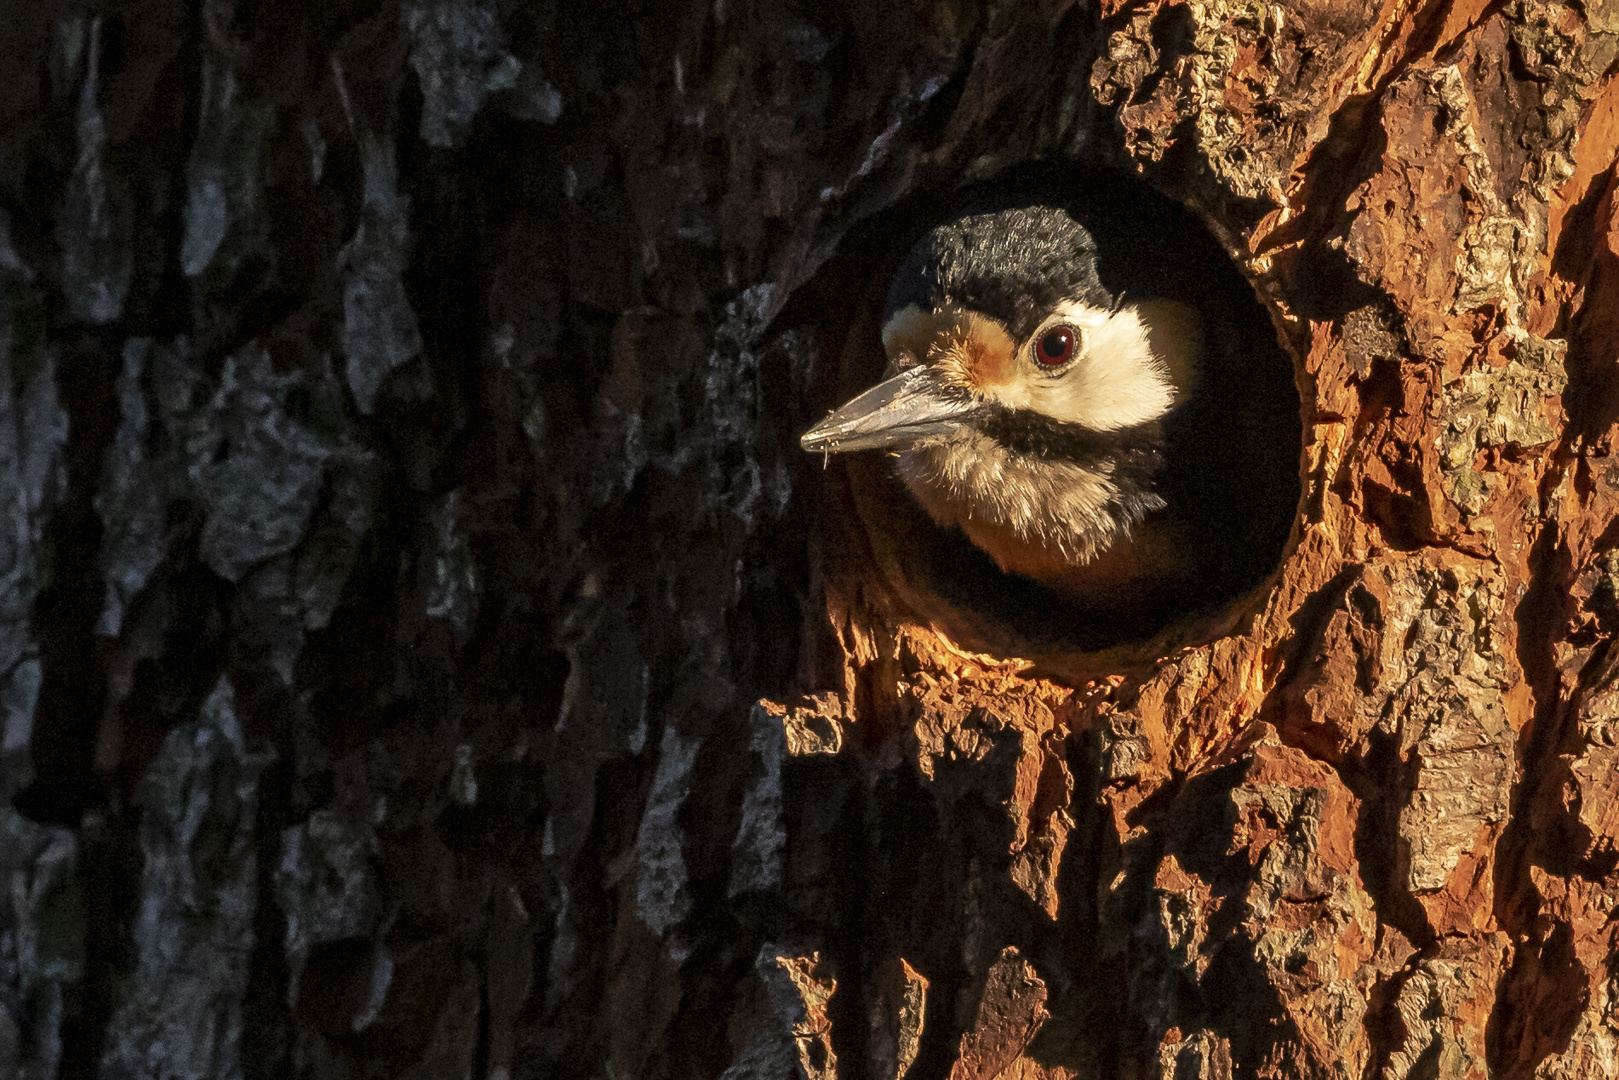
x,y
426,652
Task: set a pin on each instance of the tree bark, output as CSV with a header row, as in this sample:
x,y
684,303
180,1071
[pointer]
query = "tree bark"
x,y
425,652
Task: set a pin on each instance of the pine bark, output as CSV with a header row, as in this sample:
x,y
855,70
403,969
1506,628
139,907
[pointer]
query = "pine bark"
x,y
425,652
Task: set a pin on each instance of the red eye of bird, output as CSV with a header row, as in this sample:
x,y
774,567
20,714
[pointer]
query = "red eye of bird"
x,y
1055,347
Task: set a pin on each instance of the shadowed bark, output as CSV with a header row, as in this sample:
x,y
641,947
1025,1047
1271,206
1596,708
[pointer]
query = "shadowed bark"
x,y
425,652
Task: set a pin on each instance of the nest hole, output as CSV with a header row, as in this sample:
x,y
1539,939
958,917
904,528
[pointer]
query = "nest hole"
x,y
1243,423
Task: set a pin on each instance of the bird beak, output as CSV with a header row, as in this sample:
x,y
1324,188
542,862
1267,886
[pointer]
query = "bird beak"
x,y
894,414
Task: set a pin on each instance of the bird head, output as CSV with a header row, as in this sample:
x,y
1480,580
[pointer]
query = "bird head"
x,y
997,327
1023,400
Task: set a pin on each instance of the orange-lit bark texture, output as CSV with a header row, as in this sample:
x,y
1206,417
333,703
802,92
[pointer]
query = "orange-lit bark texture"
x,y
425,652
1369,833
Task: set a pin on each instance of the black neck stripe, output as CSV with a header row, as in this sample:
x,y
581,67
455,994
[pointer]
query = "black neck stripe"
x,y
1024,431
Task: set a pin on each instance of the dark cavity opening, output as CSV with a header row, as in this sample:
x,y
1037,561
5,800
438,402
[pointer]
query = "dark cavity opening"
x,y
1234,446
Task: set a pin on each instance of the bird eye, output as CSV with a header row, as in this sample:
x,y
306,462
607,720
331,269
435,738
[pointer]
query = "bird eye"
x,y
1056,346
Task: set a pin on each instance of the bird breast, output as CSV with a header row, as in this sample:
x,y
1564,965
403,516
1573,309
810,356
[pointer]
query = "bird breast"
x,y
1034,516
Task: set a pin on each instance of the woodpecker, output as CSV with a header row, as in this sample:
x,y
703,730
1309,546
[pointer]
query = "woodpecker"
x,y
1035,409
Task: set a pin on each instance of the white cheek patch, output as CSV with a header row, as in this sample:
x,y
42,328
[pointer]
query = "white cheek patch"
x,y
1127,372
